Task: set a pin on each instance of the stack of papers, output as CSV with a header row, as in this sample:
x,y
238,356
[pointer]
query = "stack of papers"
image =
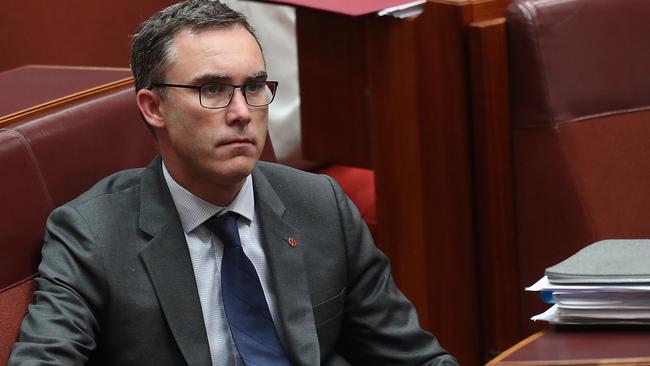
x,y
594,304
607,282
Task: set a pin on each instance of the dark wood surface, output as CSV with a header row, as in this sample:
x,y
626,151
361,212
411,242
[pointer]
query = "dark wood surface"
x,y
75,32
493,186
333,88
393,95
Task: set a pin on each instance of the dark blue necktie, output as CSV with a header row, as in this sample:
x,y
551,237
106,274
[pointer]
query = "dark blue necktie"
x,y
247,313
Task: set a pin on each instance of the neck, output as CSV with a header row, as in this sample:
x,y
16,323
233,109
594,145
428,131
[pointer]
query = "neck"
x,y
214,191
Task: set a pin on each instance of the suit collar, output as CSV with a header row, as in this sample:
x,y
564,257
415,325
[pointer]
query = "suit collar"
x,y
168,263
288,274
156,206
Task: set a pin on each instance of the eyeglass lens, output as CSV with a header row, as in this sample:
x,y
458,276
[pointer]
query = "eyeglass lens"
x,y
219,95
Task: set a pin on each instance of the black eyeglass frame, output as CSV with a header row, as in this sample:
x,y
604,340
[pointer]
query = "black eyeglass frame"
x,y
273,86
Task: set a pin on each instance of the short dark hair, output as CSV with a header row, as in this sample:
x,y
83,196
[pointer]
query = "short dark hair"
x,y
151,45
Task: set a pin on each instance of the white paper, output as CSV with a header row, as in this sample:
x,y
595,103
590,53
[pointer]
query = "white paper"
x,y
411,9
547,316
594,304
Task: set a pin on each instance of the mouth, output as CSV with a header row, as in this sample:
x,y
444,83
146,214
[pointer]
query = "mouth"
x,y
237,141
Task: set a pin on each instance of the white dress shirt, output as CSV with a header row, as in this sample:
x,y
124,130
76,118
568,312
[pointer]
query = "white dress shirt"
x,y
206,252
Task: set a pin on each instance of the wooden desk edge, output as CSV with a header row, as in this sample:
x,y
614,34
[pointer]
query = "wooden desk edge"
x,y
14,117
496,361
585,362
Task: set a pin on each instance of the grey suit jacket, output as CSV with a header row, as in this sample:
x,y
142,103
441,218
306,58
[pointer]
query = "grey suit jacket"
x,y
116,284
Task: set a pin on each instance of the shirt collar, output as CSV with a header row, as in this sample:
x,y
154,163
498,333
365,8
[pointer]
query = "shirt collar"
x,y
193,211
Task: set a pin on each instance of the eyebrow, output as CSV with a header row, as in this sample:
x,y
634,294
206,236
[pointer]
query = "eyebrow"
x,y
223,78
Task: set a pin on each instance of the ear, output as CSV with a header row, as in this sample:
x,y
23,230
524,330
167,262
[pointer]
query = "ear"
x,y
149,105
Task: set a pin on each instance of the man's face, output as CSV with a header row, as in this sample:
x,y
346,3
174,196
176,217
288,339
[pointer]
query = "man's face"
x,y
212,148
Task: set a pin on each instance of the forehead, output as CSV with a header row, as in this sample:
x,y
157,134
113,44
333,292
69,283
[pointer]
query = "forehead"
x,y
230,53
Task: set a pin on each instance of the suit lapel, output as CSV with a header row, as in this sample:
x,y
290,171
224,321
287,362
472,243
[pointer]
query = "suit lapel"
x,y
288,275
168,262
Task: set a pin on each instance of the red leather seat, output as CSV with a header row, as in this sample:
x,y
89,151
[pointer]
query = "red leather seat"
x,y
25,205
359,185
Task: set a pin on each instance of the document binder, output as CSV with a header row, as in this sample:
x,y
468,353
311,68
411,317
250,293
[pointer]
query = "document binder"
x,y
605,262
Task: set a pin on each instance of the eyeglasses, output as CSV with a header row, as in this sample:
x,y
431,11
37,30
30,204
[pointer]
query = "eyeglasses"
x,y
219,95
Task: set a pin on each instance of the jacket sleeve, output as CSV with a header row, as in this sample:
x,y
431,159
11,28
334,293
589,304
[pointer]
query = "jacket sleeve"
x,y
380,325
62,323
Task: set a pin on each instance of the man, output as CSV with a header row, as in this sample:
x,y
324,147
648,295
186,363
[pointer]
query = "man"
x,y
207,257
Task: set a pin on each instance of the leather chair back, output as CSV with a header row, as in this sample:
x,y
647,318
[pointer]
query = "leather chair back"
x,y
580,106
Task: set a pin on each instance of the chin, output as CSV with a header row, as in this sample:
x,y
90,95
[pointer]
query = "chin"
x,y
236,169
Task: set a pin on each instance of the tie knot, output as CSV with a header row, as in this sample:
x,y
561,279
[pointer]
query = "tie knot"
x,y
225,228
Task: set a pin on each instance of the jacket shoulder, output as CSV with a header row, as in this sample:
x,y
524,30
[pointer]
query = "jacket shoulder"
x,y
115,183
278,172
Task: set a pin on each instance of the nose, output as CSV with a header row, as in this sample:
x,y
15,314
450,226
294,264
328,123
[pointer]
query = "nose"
x,y
238,110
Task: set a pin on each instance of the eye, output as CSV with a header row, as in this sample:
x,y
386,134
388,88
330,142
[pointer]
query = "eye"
x,y
213,88
255,87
